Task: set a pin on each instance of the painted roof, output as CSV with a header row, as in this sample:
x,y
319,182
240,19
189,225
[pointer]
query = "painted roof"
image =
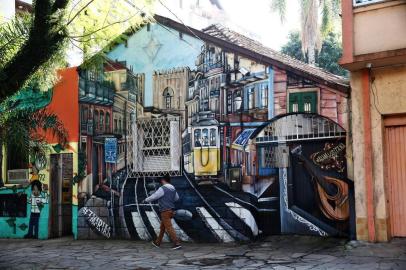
x,y
238,39
228,39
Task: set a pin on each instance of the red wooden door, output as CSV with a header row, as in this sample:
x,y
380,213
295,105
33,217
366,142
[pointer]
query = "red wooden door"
x,y
395,151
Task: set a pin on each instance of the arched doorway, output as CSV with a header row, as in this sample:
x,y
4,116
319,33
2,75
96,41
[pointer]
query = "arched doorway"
x,y
306,153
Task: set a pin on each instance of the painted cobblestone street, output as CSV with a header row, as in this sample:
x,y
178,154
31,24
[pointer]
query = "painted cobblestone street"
x,y
276,252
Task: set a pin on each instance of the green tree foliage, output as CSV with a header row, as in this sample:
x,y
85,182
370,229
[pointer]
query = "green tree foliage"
x,y
327,58
313,30
24,131
34,46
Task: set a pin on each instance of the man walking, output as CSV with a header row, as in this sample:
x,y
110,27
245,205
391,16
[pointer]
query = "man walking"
x,y
166,196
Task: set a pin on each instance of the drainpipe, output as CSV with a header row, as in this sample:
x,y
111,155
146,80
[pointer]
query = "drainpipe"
x,y
368,162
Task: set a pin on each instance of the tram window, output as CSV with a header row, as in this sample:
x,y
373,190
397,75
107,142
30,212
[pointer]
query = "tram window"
x,y
205,137
212,137
197,136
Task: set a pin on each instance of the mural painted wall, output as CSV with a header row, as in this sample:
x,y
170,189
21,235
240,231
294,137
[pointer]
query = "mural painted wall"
x,y
262,148
44,203
156,47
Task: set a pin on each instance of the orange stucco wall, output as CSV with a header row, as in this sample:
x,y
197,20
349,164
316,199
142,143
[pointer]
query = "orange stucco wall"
x,y
65,103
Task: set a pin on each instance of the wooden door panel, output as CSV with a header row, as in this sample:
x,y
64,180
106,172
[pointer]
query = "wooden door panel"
x,y
395,142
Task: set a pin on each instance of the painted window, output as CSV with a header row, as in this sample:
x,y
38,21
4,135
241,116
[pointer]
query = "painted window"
x,y
266,157
167,98
115,125
212,137
205,137
84,114
101,122
229,102
303,102
96,120
197,137
107,122
251,98
264,95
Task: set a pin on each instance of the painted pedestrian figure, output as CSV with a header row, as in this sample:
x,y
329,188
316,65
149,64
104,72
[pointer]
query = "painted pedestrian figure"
x,y
37,201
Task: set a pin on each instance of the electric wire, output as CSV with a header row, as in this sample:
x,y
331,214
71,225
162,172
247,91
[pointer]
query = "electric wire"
x,y
177,17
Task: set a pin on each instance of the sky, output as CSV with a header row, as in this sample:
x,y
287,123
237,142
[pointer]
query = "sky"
x,y
258,17
254,16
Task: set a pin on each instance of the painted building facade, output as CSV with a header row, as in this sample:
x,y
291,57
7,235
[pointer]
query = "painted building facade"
x,y
374,50
52,212
255,141
92,105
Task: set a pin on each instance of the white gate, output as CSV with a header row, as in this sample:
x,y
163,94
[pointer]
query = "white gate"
x,y
156,147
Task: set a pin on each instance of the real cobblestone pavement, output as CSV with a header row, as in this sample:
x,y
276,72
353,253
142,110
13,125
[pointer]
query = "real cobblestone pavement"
x,y
276,252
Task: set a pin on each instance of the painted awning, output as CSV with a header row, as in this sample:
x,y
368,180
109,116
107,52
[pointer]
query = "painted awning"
x,y
242,139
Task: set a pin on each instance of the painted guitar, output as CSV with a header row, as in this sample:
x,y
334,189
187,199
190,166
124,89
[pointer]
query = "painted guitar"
x,y
333,192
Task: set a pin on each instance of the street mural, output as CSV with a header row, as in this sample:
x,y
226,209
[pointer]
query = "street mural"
x,y
247,145
37,200
39,196
24,209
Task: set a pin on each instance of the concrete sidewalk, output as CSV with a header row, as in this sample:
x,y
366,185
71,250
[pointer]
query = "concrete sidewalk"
x,y
276,252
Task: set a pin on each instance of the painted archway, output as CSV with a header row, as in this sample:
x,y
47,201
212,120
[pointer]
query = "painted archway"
x,y
306,152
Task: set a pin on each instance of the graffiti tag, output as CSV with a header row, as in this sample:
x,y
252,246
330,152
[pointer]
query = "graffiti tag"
x,y
331,157
96,223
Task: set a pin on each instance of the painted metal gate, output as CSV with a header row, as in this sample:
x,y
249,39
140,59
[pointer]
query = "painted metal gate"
x,y
156,147
395,150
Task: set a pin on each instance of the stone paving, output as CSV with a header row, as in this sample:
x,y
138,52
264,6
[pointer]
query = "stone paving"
x,y
276,252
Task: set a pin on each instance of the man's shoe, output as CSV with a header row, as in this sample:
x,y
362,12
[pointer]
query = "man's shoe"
x,y
155,244
176,247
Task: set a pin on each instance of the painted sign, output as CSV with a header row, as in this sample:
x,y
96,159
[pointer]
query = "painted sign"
x,y
96,223
331,157
110,150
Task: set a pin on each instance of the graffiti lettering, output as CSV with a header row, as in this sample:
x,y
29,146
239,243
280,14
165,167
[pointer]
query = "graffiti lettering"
x,y
96,223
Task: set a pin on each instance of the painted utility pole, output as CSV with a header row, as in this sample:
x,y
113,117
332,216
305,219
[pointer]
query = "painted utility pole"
x,y
110,158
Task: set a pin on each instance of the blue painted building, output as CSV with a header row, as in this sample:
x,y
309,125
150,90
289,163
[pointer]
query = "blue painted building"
x,y
157,47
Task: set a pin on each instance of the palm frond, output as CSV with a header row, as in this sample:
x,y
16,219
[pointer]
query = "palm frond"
x,y
328,17
13,34
49,122
279,6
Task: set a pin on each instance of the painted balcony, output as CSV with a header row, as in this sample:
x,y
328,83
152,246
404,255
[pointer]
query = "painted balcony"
x,y
101,93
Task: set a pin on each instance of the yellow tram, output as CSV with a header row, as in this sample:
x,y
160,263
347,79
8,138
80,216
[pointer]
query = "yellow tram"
x,y
204,156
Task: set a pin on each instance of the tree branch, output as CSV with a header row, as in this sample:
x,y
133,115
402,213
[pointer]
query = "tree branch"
x,y
77,13
36,51
104,27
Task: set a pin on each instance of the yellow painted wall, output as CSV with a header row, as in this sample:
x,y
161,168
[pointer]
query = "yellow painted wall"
x,y
388,96
380,27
